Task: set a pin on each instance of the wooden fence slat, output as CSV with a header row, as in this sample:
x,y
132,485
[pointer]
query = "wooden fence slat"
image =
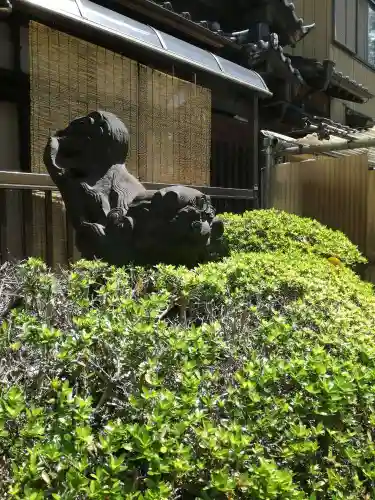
x,y
27,223
3,227
370,229
338,192
69,240
48,221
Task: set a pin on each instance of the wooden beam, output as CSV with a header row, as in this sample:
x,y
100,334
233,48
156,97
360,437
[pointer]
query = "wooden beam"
x,y
43,182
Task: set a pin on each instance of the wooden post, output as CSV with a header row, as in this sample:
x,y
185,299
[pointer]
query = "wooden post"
x,y
253,119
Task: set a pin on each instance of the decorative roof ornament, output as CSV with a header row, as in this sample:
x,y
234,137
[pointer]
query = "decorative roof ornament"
x,y
292,28
323,76
280,15
168,6
272,52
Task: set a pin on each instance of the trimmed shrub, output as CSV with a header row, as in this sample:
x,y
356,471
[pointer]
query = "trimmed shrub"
x,y
248,378
272,230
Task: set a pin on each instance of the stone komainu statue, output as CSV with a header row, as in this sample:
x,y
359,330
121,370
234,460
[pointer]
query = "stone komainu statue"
x,y
115,218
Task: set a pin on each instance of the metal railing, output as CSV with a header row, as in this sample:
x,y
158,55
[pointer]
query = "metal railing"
x,y
29,184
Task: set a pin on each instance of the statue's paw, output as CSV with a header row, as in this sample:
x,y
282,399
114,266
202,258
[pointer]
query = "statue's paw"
x,y
88,190
93,229
117,218
127,224
120,226
89,239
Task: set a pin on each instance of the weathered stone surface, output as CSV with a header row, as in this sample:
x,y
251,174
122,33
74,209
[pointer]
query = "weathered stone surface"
x,y
115,218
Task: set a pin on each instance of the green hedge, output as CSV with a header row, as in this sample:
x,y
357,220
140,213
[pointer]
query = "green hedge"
x,y
248,378
272,230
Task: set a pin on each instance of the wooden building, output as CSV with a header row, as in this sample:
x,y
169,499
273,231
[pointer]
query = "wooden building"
x,y
194,80
315,81
295,47
178,95
344,33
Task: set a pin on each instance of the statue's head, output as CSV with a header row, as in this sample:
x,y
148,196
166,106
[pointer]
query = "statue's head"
x,y
93,142
178,226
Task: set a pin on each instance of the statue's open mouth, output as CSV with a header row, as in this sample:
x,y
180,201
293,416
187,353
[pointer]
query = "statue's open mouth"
x,y
69,152
69,148
68,158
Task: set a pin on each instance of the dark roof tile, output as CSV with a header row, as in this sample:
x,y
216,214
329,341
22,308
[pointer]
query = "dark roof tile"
x,y
340,85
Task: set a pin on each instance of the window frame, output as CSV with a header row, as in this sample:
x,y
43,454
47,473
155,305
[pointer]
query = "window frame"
x,y
336,39
353,52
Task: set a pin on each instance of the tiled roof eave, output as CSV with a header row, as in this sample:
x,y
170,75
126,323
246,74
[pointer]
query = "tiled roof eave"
x,y
351,86
274,53
343,87
163,12
204,30
218,39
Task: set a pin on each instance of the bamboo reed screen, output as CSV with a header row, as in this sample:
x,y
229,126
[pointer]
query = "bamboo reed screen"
x,y
174,129
169,120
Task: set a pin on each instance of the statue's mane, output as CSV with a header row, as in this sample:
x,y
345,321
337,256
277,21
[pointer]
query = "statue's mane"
x,y
114,133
